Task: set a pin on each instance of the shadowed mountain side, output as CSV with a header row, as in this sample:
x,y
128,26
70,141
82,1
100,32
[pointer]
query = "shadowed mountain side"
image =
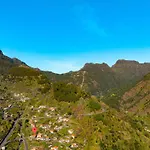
x,y
137,99
98,79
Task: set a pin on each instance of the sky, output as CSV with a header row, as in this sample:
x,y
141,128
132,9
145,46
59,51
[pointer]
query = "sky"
x,y
63,35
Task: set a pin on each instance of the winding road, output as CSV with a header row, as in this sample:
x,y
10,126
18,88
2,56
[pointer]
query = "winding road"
x,y
4,141
25,142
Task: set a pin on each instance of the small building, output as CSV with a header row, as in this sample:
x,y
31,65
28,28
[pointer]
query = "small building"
x,y
74,145
54,148
3,148
70,131
39,136
73,136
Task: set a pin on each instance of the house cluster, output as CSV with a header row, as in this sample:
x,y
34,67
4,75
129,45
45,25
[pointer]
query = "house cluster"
x,y
146,129
8,107
50,132
21,97
5,114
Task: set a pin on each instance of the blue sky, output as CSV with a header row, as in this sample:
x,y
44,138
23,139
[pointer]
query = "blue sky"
x,y
62,35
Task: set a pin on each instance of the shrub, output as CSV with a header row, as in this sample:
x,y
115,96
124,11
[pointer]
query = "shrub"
x,y
23,71
46,88
65,92
99,117
147,77
93,105
43,80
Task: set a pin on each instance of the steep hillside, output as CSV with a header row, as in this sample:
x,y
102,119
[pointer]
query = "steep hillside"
x,y
65,117
99,79
6,63
130,71
137,99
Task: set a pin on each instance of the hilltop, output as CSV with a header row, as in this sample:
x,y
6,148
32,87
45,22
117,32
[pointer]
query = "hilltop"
x,y
6,63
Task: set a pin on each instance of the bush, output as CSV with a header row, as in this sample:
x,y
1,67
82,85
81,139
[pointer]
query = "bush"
x,y
43,80
23,71
65,92
147,77
46,88
93,105
99,117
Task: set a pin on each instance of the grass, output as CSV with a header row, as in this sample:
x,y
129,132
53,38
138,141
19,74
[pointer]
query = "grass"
x,y
147,77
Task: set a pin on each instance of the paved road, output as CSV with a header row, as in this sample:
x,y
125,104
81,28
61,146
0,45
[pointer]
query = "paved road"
x,y
25,142
4,141
93,113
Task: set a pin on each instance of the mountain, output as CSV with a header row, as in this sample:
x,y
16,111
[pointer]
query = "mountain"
x,y
38,112
130,71
100,79
63,115
137,99
6,63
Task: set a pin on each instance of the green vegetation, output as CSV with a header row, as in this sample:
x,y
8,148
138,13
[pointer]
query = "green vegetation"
x,y
23,71
93,105
99,117
67,92
147,77
66,116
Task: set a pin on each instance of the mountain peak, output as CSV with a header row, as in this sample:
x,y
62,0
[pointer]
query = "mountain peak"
x,y
94,65
18,62
1,53
123,61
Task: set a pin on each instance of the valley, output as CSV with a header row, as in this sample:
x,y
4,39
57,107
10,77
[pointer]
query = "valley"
x,y
46,111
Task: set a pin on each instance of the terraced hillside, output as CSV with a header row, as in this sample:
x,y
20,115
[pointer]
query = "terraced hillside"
x,y
65,117
137,99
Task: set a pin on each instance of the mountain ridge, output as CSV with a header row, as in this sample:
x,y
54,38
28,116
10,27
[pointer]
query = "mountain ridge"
x,y
65,115
6,63
98,79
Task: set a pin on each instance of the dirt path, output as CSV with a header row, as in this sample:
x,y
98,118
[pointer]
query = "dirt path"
x,y
83,79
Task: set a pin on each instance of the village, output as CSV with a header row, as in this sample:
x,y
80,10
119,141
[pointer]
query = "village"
x,y
56,131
